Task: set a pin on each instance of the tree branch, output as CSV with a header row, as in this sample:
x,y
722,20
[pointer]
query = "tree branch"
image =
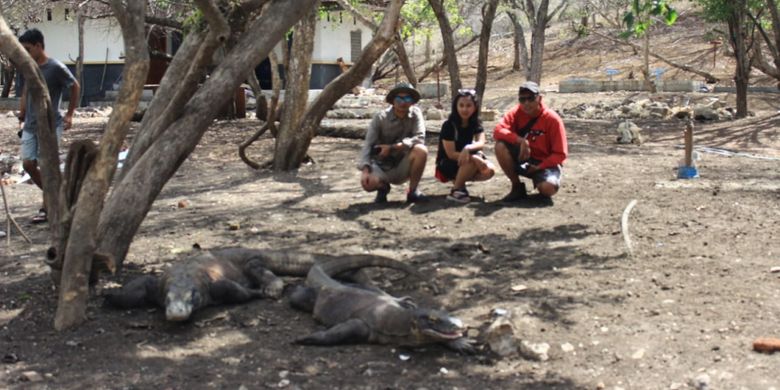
x,y
707,76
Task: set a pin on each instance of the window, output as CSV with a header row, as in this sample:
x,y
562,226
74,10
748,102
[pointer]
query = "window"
x,y
48,14
67,14
356,44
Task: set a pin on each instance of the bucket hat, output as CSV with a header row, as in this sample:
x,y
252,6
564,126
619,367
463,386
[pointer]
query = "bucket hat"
x,y
402,87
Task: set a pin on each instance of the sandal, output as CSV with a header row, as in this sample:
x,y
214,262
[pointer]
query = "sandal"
x,y
40,217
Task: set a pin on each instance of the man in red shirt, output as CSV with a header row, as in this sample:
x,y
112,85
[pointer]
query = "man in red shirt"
x,y
531,142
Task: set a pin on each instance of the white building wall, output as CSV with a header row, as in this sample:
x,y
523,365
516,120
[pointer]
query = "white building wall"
x,y
332,37
102,38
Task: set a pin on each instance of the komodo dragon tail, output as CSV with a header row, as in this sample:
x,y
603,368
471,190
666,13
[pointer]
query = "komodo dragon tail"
x,y
288,263
321,274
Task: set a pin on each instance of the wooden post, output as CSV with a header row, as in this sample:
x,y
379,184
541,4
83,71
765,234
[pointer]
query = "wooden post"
x,y
689,143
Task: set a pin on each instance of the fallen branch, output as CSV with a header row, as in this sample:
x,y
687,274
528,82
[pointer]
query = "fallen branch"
x,y
707,76
624,227
11,219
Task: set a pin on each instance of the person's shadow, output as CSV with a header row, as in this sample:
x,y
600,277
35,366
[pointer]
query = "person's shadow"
x,y
534,201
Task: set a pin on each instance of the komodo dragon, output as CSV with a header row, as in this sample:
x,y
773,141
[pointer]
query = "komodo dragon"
x,y
355,314
228,275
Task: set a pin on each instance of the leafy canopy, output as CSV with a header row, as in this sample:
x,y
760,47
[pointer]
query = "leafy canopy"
x,y
643,13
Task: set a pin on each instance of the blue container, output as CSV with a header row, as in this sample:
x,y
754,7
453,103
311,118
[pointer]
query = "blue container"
x,y
686,172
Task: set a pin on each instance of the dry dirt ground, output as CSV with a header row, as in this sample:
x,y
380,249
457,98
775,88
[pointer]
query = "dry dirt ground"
x,y
682,311
687,305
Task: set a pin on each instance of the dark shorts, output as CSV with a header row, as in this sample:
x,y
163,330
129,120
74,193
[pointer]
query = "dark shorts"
x,y
550,175
447,169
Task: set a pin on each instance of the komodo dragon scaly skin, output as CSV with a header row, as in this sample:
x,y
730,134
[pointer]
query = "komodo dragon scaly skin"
x,y
228,275
368,315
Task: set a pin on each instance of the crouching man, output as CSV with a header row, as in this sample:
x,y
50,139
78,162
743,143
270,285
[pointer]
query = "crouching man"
x,y
531,142
394,149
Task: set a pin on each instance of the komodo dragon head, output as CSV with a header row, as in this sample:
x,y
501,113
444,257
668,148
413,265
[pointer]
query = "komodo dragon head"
x,y
432,326
181,300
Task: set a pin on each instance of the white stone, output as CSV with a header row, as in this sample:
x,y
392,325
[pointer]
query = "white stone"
x,y
638,354
535,351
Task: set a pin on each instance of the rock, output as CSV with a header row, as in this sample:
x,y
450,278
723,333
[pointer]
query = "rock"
x,y
183,204
701,382
234,226
774,270
500,337
638,354
567,347
535,351
31,376
629,133
705,113
682,114
434,114
489,115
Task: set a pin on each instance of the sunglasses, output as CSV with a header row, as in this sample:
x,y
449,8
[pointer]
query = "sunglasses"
x,y
404,99
526,99
467,92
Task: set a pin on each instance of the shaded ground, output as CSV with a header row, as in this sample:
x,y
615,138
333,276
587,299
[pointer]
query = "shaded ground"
x,y
691,300
689,303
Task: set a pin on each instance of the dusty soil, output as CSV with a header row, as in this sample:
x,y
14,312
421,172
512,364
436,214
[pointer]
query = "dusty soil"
x,y
684,308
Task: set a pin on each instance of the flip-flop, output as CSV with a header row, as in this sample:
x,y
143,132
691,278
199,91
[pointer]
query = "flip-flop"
x,y
40,217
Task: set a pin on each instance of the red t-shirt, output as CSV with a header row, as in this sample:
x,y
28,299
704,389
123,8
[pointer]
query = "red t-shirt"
x,y
547,137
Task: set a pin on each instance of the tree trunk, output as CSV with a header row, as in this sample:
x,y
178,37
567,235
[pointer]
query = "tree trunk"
x,y
296,94
539,26
449,45
77,263
80,19
383,38
406,64
398,48
37,91
9,73
443,61
772,43
520,49
776,29
649,84
488,14
132,198
738,38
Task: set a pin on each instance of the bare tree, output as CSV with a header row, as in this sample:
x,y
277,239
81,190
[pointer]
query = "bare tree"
x,y
182,110
520,49
488,15
772,43
81,240
449,45
398,48
38,93
303,134
539,16
741,40
296,95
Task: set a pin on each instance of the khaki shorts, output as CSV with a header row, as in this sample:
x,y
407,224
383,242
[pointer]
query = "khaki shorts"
x,y
396,175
